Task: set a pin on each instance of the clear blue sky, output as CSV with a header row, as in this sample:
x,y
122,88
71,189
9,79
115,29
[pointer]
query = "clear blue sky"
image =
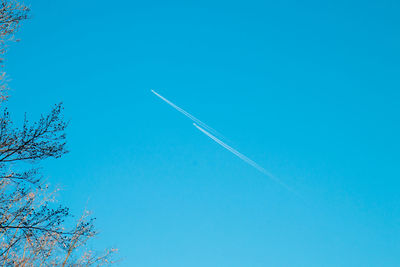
x,y
308,89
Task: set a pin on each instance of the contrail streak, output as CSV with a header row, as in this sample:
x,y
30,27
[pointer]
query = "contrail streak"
x,y
244,158
187,114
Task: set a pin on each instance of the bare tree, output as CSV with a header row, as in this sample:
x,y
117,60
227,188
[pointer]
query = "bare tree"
x,y
34,230
11,15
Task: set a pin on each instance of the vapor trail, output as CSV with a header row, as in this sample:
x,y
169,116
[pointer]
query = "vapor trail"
x,y
244,158
187,114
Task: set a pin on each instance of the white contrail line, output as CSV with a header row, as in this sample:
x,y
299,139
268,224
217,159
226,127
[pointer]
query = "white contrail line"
x,y
244,158
187,114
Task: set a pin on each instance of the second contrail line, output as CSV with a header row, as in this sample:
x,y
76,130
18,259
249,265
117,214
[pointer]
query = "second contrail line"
x,y
244,158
